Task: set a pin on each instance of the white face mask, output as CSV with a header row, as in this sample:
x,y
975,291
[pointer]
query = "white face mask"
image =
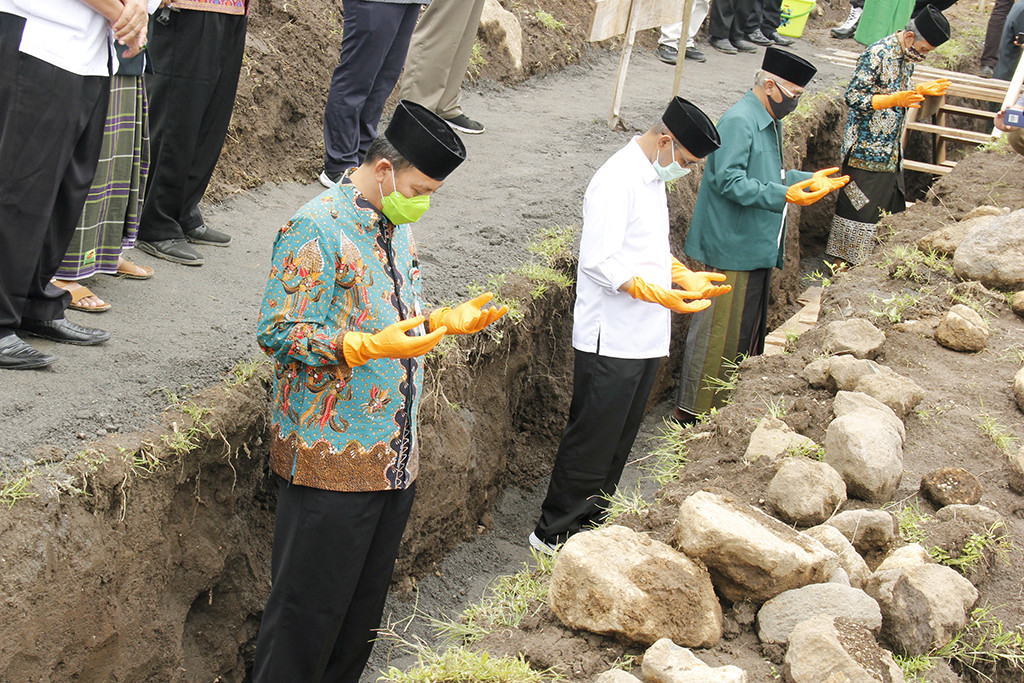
x,y
674,171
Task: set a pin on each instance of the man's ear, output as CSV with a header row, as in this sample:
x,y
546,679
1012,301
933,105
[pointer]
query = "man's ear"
x,y
381,169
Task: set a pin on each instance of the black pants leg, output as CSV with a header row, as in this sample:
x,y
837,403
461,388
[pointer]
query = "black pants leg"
x,y
374,43
51,132
333,557
731,19
608,401
768,16
990,50
196,58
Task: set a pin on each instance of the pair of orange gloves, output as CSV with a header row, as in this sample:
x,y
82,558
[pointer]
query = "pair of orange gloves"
x,y
697,288
911,98
393,342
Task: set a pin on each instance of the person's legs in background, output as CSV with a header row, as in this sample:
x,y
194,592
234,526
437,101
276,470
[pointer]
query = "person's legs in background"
x,y
849,26
993,32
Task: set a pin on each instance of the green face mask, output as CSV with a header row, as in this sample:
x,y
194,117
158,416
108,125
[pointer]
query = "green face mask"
x,y
400,209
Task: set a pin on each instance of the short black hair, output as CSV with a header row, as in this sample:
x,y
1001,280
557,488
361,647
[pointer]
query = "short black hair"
x,y
381,148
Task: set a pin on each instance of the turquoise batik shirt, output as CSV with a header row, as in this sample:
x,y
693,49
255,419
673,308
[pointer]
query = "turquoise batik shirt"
x,y
737,222
872,140
340,266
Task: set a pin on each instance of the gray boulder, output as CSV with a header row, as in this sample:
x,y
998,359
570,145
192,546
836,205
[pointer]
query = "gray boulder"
x,y
805,492
849,401
615,581
1018,388
751,555
993,252
870,531
855,336
666,662
772,438
867,453
780,615
823,649
946,239
847,373
503,30
962,329
1017,303
850,560
817,372
1015,471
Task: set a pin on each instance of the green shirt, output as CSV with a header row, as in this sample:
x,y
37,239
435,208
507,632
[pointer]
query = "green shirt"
x,y
737,222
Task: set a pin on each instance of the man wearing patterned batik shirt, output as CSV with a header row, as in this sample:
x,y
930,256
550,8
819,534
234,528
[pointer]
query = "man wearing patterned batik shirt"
x,y
879,95
342,318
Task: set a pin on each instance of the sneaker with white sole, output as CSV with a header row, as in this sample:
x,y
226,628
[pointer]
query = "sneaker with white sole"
x,y
329,180
848,27
542,546
464,124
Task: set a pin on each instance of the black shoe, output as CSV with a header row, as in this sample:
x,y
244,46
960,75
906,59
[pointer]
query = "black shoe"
x,y
723,45
744,46
329,180
684,417
204,234
464,124
15,354
175,251
668,54
986,72
780,39
695,54
759,38
64,331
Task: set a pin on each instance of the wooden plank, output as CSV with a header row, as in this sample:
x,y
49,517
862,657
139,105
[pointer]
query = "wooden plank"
x,y
967,111
611,17
677,82
967,136
627,51
910,165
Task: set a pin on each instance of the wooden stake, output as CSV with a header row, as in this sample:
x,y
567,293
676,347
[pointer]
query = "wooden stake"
x,y
1012,91
627,50
684,38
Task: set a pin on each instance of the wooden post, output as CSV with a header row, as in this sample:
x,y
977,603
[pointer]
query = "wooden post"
x,y
684,38
627,50
1012,92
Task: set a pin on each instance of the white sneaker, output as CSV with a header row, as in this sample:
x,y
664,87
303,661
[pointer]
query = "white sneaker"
x,y
848,27
327,181
542,546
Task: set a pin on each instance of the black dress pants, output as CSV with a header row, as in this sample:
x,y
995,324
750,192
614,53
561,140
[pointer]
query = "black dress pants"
x,y
51,132
330,569
374,43
195,59
609,396
767,16
731,19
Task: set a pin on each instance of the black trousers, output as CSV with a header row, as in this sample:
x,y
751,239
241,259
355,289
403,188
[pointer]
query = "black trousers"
x,y
330,569
609,396
767,16
375,40
731,19
195,59
993,32
51,132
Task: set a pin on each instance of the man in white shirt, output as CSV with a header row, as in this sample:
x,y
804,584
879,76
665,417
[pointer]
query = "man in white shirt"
x,y
55,59
622,317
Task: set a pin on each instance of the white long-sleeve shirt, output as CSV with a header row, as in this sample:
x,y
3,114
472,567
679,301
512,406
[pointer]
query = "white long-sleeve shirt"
x,y
625,234
65,33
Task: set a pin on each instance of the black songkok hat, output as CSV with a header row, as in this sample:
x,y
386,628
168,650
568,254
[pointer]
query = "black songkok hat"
x,y
423,137
788,66
691,127
932,26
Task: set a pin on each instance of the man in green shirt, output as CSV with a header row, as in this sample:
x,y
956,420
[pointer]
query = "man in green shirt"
x,y
739,222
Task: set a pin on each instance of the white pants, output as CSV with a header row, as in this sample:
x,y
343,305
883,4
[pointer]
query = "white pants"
x,y
671,33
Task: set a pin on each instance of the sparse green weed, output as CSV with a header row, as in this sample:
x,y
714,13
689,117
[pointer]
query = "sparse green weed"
x,y
807,450
776,406
549,21
15,488
243,371
985,641
728,383
1000,434
462,665
893,308
915,668
907,262
665,462
995,539
623,503
542,276
910,519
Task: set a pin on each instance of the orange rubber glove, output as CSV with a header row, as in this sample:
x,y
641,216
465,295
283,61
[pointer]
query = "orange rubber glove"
x,y
900,98
468,317
796,194
935,88
699,281
391,342
672,299
821,180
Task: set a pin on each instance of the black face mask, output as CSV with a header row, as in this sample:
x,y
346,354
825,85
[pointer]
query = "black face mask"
x,y
786,106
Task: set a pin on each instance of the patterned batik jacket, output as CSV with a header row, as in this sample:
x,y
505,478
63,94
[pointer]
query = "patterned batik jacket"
x,y
872,140
340,266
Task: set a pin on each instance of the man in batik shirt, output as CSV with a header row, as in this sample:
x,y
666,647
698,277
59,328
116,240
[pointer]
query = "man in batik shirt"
x,y
879,95
342,318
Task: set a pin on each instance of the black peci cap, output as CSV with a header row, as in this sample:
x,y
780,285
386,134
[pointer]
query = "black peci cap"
x,y
691,127
932,26
423,137
789,66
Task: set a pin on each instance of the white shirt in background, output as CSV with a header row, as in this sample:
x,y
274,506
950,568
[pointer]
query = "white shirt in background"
x,y
65,33
625,234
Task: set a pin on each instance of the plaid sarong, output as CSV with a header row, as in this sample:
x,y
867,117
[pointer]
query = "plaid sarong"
x,y
110,220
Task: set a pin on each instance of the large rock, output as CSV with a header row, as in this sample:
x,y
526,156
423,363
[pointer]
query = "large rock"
x,y
616,676
867,453
980,516
993,252
751,556
1017,303
870,531
910,555
855,336
951,486
615,581
847,373
805,492
946,239
962,329
666,662
849,401
1018,388
1015,471
923,605
772,438
502,29
780,615
817,372
824,648
849,559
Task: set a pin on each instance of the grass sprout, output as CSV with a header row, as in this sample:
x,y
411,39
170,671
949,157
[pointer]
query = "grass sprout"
x,y
15,488
910,520
972,555
666,461
985,642
548,21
